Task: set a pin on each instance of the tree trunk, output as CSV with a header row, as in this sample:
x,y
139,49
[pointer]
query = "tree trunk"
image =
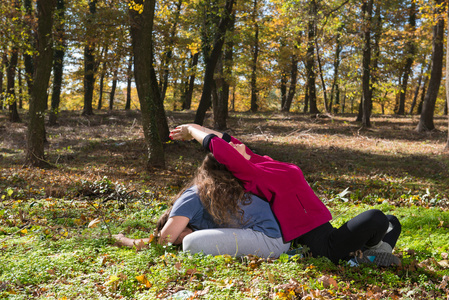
x,y
255,51
366,78
28,58
89,64
113,88
144,74
410,53
310,59
336,69
101,86
426,119
211,61
446,148
10,87
58,63
43,64
418,86
4,64
128,83
320,68
188,92
423,94
292,88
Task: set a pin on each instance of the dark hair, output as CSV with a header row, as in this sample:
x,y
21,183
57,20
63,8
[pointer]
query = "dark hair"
x,y
220,192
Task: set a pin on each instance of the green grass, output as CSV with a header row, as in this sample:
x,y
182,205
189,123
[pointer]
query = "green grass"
x,y
58,256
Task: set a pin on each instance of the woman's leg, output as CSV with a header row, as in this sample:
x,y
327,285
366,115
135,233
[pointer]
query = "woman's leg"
x,y
393,231
234,242
365,230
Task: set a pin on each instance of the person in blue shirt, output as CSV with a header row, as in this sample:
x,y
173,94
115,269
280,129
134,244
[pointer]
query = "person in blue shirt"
x,y
214,215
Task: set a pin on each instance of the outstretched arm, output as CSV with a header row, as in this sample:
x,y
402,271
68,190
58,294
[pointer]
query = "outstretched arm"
x,y
173,232
192,131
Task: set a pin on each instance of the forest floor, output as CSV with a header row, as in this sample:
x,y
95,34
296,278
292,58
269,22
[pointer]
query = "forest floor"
x,y
56,223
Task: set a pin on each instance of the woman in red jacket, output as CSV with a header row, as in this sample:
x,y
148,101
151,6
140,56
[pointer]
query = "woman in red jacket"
x,y
303,218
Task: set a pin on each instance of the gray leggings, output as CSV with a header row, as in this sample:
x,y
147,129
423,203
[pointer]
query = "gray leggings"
x,y
234,242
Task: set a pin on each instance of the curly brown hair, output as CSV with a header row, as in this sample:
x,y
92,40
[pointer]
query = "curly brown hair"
x,y
221,193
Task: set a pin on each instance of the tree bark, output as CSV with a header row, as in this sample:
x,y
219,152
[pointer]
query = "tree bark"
x,y
255,52
310,60
336,69
113,88
211,62
368,10
4,64
10,87
128,83
145,77
320,68
58,63
89,64
188,93
418,87
101,85
43,64
28,58
426,119
292,88
446,148
410,58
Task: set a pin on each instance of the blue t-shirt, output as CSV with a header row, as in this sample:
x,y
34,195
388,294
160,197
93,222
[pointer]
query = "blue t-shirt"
x,y
257,215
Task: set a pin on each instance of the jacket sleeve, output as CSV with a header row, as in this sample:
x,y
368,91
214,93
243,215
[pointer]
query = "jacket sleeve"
x,y
238,165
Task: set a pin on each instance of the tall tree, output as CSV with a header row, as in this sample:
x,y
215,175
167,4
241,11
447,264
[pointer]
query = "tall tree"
x,y
58,62
30,40
426,119
366,78
128,83
113,88
410,58
10,87
190,82
211,57
310,59
38,99
446,148
255,56
142,17
89,61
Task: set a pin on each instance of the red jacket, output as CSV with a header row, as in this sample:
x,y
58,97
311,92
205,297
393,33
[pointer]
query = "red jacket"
x,y
283,185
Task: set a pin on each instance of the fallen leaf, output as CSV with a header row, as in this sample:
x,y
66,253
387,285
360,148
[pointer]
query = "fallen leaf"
x,y
444,263
143,279
94,223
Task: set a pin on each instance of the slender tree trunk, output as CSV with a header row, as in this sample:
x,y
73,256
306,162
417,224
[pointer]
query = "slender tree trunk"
x,y
211,62
368,10
187,102
89,64
255,51
10,88
310,59
128,83
418,87
28,58
113,88
426,120
58,63
446,148
410,53
423,94
145,77
320,68
306,100
283,87
3,64
336,69
292,88
43,64
101,85
20,95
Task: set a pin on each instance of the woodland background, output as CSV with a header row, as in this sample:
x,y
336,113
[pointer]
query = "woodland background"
x,y
350,90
